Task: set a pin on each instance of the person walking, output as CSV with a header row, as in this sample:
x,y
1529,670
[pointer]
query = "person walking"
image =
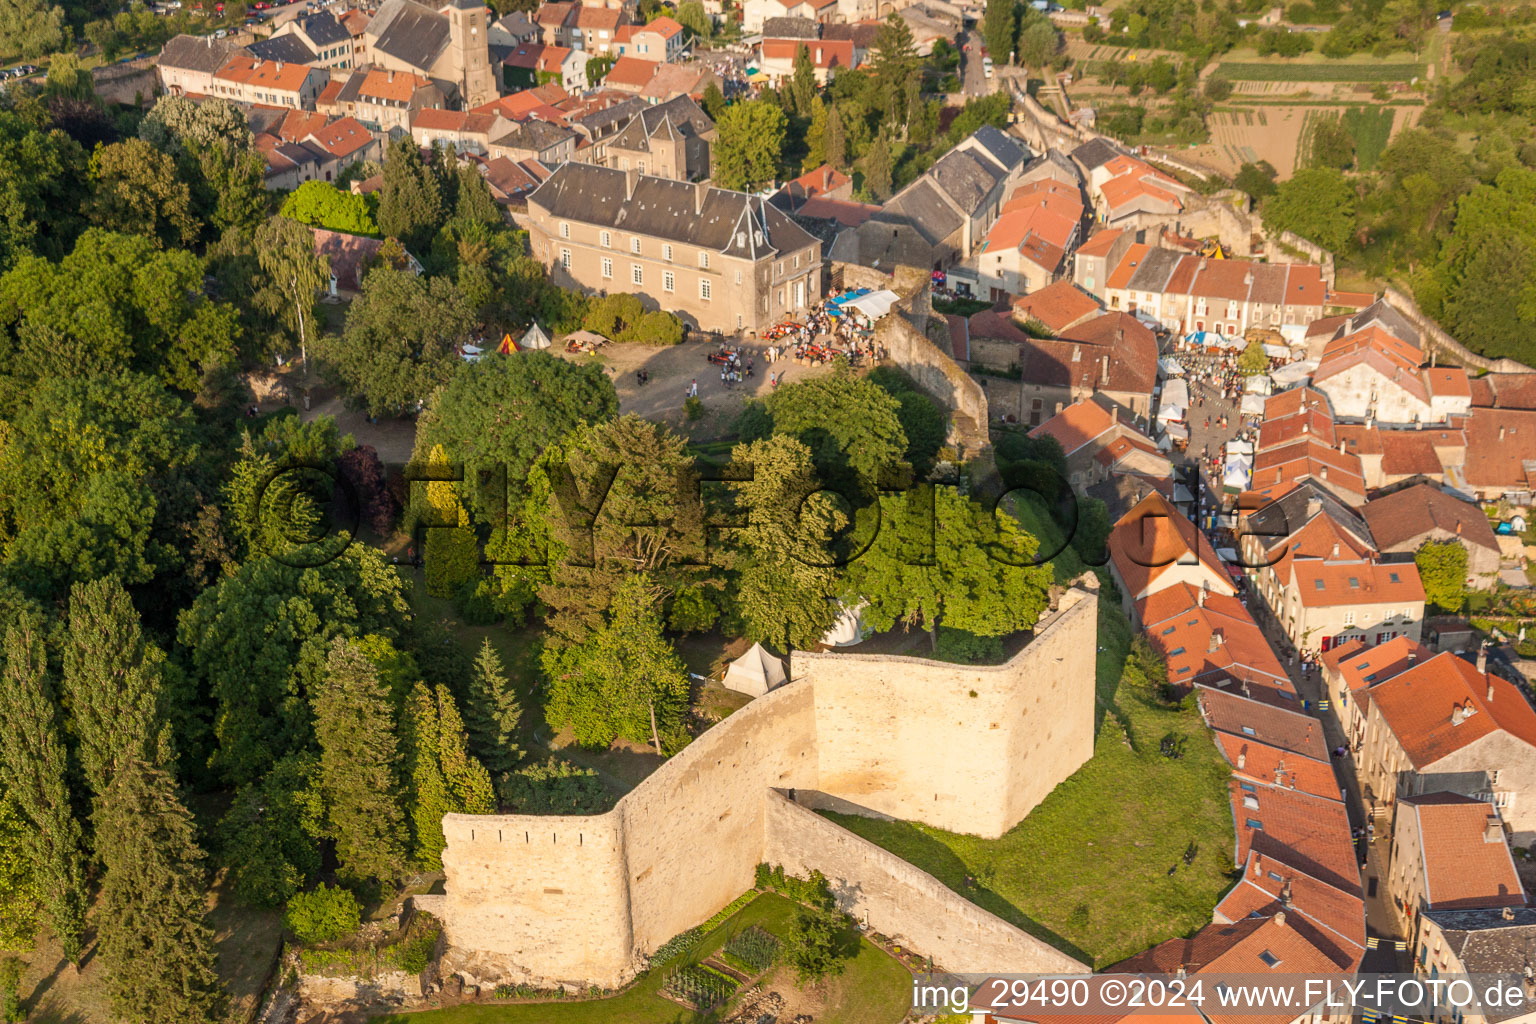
x,y
693,388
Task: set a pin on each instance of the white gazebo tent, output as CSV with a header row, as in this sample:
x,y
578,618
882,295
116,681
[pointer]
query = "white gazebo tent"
x,y
754,673
874,305
533,338
849,628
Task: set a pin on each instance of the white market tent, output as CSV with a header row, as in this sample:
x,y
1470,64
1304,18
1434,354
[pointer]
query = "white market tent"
x,y
1277,351
1170,367
1237,471
533,337
1253,405
849,628
1177,431
1292,374
1259,384
874,305
754,673
1175,401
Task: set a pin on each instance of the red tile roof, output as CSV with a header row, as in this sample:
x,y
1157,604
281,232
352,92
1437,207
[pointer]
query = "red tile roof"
x,y
1421,705
1308,831
1463,867
1286,728
398,86
1330,584
1121,275
825,53
1392,357
1270,884
1155,538
1099,242
629,70
1213,644
1277,469
1501,449
1077,424
844,211
1058,305
1361,666
825,178
1261,763
664,26
343,138
1403,516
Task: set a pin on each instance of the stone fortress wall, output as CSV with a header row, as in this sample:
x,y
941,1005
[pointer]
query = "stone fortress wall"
x,y
581,900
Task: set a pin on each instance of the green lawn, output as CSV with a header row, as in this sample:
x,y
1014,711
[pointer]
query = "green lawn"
x,y
1243,71
873,988
1088,869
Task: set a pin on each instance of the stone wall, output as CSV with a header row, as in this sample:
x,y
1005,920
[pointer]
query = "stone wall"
x,y
577,901
133,84
890,728
896,899
1445,346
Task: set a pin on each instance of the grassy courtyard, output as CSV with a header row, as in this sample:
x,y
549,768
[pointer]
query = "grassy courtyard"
x,y
872,989
1088,870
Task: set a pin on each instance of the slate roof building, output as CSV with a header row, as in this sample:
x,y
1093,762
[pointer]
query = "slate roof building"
x,y
449,44
187,64
668,140
722,260
1496,941
320,39
942,217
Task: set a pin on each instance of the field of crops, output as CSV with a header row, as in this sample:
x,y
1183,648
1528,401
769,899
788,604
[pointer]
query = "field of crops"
x,y
1371,128
1277,72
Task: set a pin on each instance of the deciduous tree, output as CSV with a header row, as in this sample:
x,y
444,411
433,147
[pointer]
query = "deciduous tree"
x,y
1442,569
624,680
32,28
136,191
297,273
750,141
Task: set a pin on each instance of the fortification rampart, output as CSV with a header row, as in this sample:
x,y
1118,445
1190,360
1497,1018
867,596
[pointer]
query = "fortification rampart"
x,y
896,899
581,900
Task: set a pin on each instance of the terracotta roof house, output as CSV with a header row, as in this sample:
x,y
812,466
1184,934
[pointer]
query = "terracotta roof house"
x,y
347,140
1278,724
1269,884
1447,725
829,57
1027,247
1099,443
245,79
509,181
1154,547
463,131
1449,852
1211,640
1351,668
822,182
382,99
350,256
1055,307
1504,390
1500,455
1186,292
630,74
1406,520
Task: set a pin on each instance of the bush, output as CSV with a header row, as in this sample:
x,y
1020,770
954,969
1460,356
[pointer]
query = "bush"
x,y
693,408
813,890
656,328
964,648
678,945
555,787
324,915
323,205
812,949
11,968
476,603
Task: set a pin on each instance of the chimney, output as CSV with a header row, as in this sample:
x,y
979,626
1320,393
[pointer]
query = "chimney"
x,y
1343,445
1200,599
1482,657
391,77
1216,640
631,179
1285,893
1412,657
1242,758
1306,428
1324,473
1457,715
1493,830
1314,506
1508,913
1104,372
1280,919
1501,433
1335,549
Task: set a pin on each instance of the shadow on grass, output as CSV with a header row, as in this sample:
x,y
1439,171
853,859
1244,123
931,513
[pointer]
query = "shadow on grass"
x,y
924,852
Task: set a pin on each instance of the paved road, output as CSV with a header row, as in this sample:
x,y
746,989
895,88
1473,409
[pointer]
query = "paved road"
x,y
973,77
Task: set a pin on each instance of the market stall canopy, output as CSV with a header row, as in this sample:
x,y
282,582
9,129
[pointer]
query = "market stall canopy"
x,y
1170,367
754,673
1176,392
1259,384
1253,405
874,305
1177,431
1278,351
1292,374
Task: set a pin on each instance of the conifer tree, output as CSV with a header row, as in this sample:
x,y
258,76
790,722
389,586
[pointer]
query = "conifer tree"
x,y
358,760
410,196
802,88
442,776
877,168
35,768
112,680
453,555
155,944
836,140
816,136
492,712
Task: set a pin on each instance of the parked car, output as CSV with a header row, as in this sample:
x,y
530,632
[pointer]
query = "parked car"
x,y
988,70
221,33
